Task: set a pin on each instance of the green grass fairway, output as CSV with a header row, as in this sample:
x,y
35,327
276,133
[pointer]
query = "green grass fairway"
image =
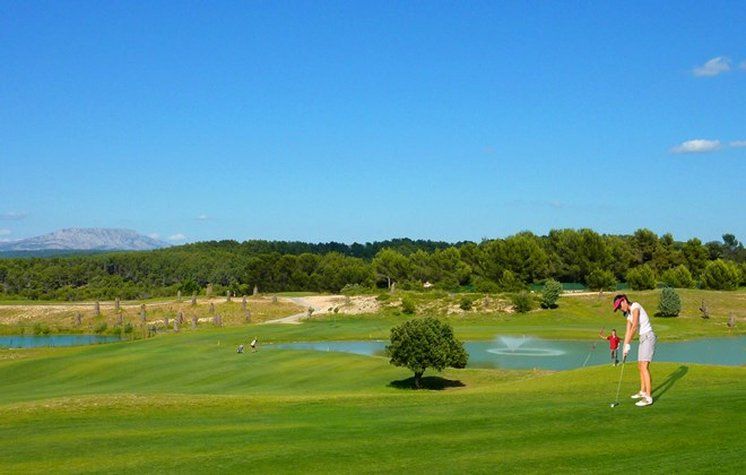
x,y
183,403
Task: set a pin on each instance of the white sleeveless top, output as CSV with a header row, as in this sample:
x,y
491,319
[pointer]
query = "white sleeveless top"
x,y
644,321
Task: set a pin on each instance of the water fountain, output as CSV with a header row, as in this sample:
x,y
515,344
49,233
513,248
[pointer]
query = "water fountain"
x,y
516,346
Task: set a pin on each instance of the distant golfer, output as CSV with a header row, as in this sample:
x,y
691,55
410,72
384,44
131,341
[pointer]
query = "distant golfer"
x,y
613,345
240,348
637,319
253,345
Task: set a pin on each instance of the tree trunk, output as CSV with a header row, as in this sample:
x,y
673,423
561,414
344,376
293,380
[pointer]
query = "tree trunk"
x,y
418,380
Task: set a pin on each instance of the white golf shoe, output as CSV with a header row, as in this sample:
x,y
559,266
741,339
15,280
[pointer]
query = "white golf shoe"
x,y
639,395
645,401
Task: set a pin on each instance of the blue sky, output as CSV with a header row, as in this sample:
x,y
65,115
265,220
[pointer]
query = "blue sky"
x,y
360,121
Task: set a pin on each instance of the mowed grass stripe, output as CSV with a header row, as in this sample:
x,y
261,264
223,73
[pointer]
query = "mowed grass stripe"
x,y
516,426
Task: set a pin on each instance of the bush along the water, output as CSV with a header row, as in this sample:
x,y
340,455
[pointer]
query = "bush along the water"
x,y
550,293
641,278
669,304
522,302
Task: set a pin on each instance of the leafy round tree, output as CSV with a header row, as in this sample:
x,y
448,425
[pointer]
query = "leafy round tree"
x,y
721,275
550,293
641,278
423,343
669,304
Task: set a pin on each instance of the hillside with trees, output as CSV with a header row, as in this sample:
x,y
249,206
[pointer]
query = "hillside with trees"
x,y
596,261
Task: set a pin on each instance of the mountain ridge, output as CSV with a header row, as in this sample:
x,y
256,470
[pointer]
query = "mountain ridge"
x,y
85,239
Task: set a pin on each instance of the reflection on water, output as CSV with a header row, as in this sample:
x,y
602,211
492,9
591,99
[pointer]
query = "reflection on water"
x,y
529,352
21,341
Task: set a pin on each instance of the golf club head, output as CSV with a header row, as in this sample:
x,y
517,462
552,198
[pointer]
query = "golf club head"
x,y
614,404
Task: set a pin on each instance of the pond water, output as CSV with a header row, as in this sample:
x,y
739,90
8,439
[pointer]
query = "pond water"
x,y
21,341
527,352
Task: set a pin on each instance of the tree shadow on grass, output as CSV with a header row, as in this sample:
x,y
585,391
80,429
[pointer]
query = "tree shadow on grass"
x,y
668,383
435,383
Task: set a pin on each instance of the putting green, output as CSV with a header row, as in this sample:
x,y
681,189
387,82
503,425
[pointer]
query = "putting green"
x,y
186,404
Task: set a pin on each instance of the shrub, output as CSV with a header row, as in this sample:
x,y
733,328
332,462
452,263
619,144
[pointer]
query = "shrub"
x,y
601,279
41,329
383,297
100,328
669,304
423,343
407,305
721,275
128,328
550,294
678,277
466,303
641,278
522,302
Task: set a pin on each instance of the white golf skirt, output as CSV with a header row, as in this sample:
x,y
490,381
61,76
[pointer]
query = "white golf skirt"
x,y
647,347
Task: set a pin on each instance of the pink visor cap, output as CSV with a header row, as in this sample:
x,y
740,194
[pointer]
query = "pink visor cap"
x,y
618,303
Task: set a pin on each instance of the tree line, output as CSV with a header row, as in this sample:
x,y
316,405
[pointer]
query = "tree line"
x,y
642,260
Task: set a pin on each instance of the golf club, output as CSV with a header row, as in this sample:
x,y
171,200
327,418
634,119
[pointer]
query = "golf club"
x,y
619,386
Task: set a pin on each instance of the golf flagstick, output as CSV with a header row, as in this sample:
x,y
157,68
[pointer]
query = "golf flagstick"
x,y
592,348
589,355
619,386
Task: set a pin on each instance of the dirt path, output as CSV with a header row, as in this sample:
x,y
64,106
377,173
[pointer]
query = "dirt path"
x,y
323,304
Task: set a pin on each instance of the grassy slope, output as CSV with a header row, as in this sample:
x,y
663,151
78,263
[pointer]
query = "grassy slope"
x,y
21,317
184,403
578,317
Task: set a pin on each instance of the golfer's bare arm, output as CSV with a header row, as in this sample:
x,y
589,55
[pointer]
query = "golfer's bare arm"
x,y
632,327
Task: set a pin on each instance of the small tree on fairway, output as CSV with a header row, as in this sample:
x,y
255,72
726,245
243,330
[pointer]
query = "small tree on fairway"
x,y
669,304
550,294
423,343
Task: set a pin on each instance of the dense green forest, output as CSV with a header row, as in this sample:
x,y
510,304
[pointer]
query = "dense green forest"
x,y
642,260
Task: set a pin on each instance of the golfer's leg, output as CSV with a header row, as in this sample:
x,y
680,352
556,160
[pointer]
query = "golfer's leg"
x,y
645,370
640,366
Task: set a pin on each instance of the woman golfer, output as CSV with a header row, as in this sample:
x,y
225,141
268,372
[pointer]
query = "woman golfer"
x,y
637,319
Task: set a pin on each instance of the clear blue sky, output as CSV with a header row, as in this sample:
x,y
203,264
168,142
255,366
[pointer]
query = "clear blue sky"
x,y
359,121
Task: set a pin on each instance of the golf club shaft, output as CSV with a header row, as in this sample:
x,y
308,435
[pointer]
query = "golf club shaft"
x,y
621,375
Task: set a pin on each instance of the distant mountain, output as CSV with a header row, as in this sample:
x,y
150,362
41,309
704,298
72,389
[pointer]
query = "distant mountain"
x,y
84,239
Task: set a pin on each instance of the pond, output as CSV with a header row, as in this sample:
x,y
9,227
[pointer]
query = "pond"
x,y
22,341
528,352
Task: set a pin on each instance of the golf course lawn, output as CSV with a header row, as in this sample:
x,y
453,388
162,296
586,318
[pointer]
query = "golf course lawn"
x,y
190,403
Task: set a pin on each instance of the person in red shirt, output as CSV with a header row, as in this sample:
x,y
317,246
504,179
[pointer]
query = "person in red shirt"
x,y
613,345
